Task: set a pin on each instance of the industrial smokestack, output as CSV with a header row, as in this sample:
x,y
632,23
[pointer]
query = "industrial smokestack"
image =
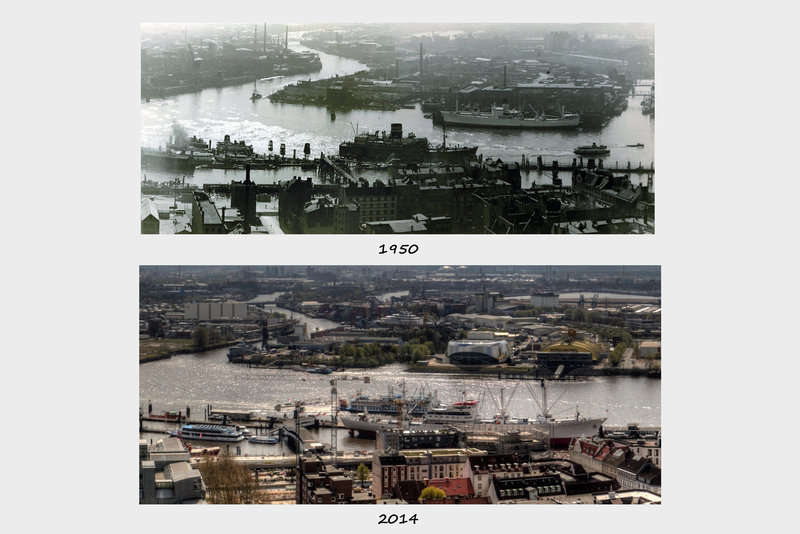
x,y
420,59
247,174
255,37
265,37
505,76
287,38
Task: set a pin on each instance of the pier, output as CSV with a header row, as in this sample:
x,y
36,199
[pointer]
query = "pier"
x,y
591,163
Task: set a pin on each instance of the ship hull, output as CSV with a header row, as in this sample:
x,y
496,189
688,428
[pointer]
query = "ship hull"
x,y
562,432
364,428
454,118
412,154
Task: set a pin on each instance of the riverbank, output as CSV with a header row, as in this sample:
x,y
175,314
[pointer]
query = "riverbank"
x,y
530,373
151,350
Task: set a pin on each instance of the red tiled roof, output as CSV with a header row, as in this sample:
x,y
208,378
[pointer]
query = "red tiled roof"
x,y
453,487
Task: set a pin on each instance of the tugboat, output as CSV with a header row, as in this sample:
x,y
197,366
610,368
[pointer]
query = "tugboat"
x,y
256,95
592,150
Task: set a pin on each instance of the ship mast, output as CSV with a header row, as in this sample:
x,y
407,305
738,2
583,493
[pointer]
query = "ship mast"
x,y
545,412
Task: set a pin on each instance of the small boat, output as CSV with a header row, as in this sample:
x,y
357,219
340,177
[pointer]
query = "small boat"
x,y
256,95
592,150
637,145
196,452
333,115
265,440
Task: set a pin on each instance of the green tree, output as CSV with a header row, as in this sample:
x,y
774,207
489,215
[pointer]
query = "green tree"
x,y
227,482
200,337
432,493
362,473
615,358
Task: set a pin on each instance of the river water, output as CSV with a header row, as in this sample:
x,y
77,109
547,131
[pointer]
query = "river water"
x,y
212,113
197,380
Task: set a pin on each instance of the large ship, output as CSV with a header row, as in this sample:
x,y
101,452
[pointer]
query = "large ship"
x,y
560,431
208,432
503,117
464,411
410,149
369,425
389,404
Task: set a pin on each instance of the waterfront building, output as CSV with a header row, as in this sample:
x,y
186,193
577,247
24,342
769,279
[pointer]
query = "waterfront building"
x,y
550,481
150,219
474,320
649,348
389,469
418,224
503,439
205,216
616,458
477,352
553,359
166,475
396,439
205,311
375,203
484,468
544,300
318,483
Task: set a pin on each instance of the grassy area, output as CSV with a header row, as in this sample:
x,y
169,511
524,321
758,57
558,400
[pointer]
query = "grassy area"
x,y
158,348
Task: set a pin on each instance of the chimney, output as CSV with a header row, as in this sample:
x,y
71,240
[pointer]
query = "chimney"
x,y
505,76
247,174
420,59
223,214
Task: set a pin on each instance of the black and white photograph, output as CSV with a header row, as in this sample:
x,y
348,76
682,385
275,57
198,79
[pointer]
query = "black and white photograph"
x,y
387,128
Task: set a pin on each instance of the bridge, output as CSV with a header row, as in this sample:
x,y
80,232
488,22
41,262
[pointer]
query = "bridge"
x,y
328,166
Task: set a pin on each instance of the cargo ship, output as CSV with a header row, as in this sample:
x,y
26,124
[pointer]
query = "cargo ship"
x,y
410,149
503,117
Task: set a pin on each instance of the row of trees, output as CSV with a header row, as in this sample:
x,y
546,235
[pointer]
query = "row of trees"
x,y
204,337
374,355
